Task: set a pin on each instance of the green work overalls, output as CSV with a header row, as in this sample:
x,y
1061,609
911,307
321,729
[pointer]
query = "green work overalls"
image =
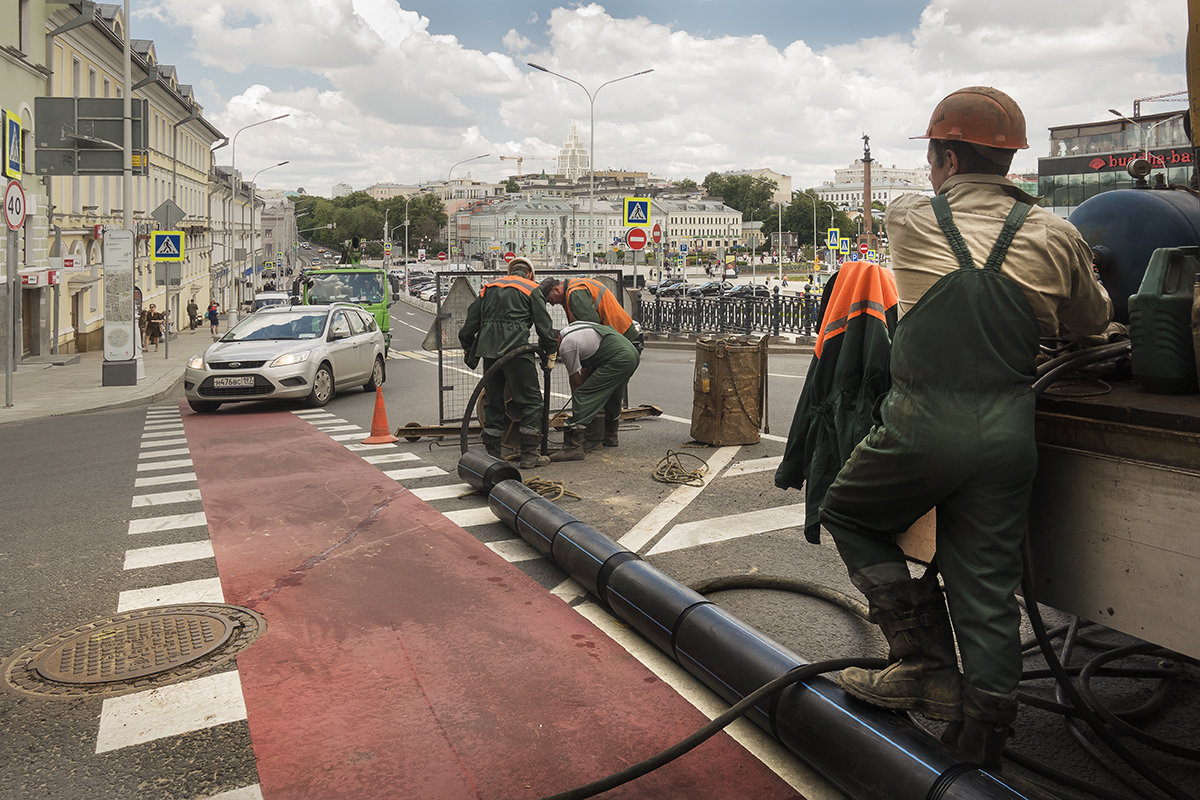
x,y
956,434
612,364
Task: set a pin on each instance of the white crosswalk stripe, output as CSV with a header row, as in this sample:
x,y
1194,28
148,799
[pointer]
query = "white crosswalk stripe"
x,y
204,590
158,480
169,522
469,517
414,472
155,465
170,711
162,443
430,493
166,498
733,526
168,554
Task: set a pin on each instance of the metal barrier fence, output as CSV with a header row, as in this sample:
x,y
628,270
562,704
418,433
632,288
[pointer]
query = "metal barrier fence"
x,y
705,315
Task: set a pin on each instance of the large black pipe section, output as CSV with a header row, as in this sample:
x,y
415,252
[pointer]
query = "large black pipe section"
x,y
865,751
482,471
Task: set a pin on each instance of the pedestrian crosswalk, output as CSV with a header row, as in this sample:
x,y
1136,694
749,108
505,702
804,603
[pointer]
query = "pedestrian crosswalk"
x,y
169,531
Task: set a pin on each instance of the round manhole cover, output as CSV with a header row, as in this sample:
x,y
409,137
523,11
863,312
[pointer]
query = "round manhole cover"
x,y
133,651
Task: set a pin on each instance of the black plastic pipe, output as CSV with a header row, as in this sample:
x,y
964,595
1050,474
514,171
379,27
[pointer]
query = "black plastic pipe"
x,y
865,751
482,471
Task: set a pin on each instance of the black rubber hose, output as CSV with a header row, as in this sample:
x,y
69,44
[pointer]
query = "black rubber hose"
x,y
487,373
711,729
731,582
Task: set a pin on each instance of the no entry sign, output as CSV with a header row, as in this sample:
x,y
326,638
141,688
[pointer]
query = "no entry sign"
x,y
657,233
636,238
509,256
863,248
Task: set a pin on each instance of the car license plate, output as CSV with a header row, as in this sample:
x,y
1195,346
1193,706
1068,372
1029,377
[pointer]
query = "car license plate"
x,y
232,381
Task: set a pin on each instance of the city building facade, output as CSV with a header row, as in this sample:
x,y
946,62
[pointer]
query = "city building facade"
x,y
573,159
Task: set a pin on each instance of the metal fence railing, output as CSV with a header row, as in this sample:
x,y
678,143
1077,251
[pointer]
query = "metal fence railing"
x,y
706,315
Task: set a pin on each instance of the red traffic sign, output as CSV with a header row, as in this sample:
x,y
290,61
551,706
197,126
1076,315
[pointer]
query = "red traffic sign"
x,y
509,256
636,238
14,205
863,248
656,233
441,256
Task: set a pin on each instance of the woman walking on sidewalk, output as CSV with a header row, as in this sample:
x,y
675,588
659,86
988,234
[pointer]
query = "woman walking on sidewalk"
x,y
154,322
213,320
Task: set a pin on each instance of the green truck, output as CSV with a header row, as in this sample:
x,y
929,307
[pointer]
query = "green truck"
x,y
351,283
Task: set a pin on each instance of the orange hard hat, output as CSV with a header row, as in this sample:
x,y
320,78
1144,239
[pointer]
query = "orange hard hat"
x,y
979,115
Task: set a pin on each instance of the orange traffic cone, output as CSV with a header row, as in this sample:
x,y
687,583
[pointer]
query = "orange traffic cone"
x,y
380,433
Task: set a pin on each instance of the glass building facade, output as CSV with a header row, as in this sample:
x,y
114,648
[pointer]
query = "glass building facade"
x,y
1090,158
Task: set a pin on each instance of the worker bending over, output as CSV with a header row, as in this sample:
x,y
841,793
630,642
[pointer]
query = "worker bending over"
x,y
498,322
599,362
981,273
588,300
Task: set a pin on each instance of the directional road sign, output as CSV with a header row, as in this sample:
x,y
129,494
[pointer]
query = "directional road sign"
x,y
168,245
637,211
168,214
636,238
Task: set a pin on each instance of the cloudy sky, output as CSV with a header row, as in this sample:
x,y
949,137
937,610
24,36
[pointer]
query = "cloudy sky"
x,y
400,90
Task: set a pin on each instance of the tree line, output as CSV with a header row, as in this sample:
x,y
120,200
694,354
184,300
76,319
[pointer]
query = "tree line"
x,y
359,215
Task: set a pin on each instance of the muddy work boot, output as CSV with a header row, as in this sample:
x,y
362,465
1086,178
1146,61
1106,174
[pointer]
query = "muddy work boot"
x,y
491,444
985,727
924,674
531,443
611,426
572,449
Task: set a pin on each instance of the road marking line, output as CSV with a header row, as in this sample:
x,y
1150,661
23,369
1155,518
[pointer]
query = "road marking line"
x,y
163,443
164,426
145,454
168,522
349,437
182,462
734,526
334,428
156,480
413,472
390,457
159,434
469,517
429,493
165,498
754,465
170,711
514,550
206,590
658,518
251,792
167,554
309,413
357,447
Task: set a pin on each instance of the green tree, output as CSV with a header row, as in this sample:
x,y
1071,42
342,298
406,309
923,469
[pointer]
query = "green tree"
x,y
746,193
687,184
511,186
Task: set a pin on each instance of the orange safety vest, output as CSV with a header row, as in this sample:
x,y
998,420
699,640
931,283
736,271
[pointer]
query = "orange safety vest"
x,y
607,307
514,281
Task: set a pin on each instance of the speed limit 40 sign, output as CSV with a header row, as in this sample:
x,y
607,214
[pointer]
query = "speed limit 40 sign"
x,y
14,205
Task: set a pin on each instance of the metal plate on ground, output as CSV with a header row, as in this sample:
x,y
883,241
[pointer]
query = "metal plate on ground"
x,y
134,651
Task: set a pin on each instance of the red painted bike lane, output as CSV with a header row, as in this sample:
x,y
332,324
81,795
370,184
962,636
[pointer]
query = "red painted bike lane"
x,y
404,659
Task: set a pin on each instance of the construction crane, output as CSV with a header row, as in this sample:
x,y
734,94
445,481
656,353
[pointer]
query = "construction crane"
x,y
520,159
1168,97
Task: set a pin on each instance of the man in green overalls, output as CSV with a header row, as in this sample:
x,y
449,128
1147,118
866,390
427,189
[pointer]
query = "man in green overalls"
x,y
599,362
497,323
981,273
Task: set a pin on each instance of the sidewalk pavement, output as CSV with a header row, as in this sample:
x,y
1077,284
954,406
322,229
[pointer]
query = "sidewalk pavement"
x,y
49,386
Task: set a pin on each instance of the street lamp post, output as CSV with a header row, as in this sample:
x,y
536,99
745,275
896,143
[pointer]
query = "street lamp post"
x,y
591,145
450,191
233,188
253,227
1144,131
408,200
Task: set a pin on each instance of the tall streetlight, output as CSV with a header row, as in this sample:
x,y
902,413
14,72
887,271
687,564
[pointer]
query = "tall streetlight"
x,y
448,189
591,144
233,188
1144,131
408,200
253,227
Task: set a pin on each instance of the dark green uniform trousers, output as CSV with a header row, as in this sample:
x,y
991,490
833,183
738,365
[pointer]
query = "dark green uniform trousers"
x,y
614,361
520,375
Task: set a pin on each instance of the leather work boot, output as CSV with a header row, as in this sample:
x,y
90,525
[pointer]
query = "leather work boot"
x,y
924,674
611,426
985,727
530,457
572,449
491,443
590,444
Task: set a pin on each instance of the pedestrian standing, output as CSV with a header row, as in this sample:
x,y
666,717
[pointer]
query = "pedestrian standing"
x,y
142,318
154,326
193,311
213,319
956,429
498,322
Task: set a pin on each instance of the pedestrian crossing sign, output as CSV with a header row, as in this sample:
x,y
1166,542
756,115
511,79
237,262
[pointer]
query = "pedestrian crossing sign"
x,y
168,245
831,237
12,145
637,211
844,246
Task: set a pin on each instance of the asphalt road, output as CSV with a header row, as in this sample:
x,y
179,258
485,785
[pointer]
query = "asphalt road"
x,y
62,565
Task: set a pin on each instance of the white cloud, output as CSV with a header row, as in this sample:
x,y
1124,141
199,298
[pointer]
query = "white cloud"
x,y
403,103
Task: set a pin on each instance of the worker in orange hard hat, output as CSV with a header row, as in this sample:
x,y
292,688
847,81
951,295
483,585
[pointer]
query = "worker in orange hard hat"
x,y
982,273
